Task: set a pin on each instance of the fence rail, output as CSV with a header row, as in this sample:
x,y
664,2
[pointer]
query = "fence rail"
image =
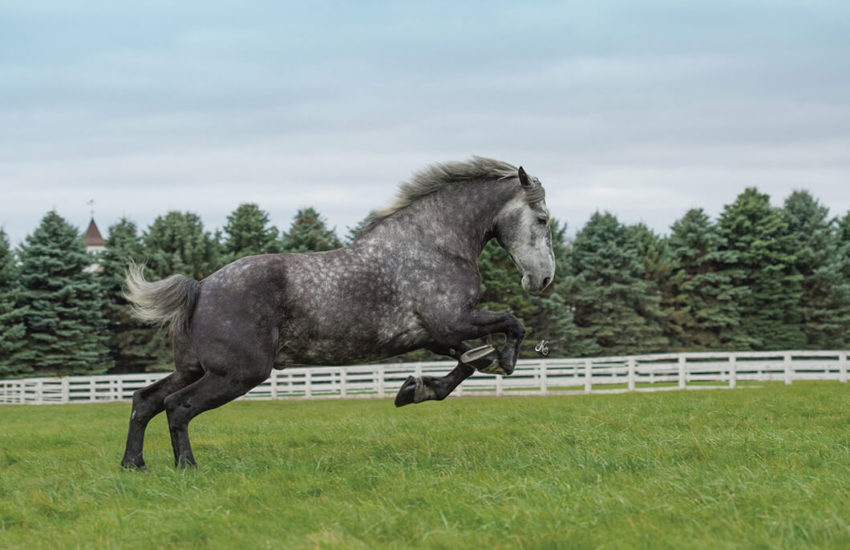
x,y
532,376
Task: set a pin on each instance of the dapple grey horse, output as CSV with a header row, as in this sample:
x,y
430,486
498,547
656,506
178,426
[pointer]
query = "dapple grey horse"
x,y
410,280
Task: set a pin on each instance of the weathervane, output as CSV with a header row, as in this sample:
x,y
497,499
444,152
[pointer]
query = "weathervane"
x,y
90,202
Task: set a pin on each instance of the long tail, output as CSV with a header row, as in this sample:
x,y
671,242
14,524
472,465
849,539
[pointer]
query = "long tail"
x,y
166,302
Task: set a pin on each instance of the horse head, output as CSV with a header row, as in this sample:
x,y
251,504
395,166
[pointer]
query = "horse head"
x,y
522,229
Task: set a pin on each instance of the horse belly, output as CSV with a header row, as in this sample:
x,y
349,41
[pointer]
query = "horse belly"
x,y
352,343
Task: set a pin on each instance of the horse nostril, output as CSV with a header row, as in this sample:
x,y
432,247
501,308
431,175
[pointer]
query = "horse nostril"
x,y
546,281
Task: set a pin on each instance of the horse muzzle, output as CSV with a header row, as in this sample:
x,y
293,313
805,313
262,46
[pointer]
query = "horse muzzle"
x,y
536,285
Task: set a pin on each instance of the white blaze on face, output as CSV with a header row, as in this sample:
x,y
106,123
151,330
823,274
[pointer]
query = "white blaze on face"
x,y
523,230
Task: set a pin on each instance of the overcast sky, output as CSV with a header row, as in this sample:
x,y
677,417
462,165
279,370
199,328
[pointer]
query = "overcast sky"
x,y
644,109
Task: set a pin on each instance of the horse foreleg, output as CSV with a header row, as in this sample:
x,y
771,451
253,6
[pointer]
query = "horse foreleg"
x,y
417,389
474,324
477,324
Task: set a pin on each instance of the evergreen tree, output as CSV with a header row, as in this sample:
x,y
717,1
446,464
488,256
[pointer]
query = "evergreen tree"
x,y
844,240
764,260
129,339
65,329
609,294
822,262
844,229
249,233
7,261
652,251
177,243
309,233
12,329
699,296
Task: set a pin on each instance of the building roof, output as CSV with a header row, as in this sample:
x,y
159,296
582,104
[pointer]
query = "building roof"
x,y
93,236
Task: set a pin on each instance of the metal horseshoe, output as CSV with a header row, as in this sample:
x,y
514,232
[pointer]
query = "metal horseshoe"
x,y
542,348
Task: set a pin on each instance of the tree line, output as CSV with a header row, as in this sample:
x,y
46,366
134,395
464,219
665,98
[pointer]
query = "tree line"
x,y
756,278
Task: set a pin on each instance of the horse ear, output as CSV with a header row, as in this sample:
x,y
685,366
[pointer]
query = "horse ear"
x,y
523,178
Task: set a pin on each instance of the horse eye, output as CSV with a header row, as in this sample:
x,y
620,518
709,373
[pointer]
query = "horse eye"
x,y
543,221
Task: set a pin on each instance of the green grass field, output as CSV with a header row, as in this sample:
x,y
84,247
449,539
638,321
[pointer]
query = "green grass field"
x,y
761,467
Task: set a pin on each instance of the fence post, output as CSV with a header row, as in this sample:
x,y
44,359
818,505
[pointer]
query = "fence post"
x,y
274,384
682,380
66,390
343,382
733,372
379,373
632,373
308,383
499,387
544,382
588,375
788,368
842,367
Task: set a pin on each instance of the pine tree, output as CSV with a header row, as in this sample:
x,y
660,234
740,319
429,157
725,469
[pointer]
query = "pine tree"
x,y
609,293
249,233
699,295
65,329
652,251
844,241
844,251
844,229
129,339
822,262
177,243
12,329
764,260
309,233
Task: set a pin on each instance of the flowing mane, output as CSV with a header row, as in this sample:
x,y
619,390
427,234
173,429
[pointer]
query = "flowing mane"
x,y
435,177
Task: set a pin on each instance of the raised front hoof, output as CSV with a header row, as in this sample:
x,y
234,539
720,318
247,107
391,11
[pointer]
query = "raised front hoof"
x,y
484,359
406,393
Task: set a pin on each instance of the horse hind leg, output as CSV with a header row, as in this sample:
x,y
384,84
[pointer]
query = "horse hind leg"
x,y
210,391
147,403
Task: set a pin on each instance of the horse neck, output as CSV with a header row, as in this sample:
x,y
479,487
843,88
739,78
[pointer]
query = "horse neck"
x,y
458,219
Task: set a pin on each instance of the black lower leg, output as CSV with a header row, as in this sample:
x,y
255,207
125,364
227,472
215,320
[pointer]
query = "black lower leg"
x,y
133,452
209,392
428,388
179,414
147,403
183,456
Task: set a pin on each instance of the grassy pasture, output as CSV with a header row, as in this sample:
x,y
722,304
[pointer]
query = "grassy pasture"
x,y
764,467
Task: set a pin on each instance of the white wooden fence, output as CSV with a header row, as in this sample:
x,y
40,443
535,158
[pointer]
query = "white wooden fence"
x,y
532,377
